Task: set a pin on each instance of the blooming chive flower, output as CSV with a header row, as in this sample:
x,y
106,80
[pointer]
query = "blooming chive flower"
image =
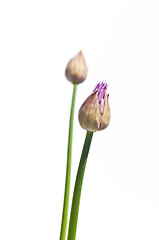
x,y
76,70
94,114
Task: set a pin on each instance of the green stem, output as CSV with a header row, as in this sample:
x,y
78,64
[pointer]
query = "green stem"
x,y
78,187
68,169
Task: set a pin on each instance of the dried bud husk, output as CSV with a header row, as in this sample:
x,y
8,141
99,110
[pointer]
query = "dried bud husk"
x,y
76,70
94,114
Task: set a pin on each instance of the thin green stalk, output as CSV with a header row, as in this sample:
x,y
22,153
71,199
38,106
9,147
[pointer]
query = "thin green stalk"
x,y
68,169
78,187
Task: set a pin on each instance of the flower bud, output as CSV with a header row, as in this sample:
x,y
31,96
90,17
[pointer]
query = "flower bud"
x,y
76,69
94,114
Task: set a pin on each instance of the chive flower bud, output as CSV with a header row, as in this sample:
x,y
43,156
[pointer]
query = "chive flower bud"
x,y
94,114
76,70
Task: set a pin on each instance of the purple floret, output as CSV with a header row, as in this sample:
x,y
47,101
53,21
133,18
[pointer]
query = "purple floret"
x,y
101,88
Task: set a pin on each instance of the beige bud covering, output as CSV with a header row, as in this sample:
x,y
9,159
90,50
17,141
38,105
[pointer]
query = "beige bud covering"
x,y
94,116
76,70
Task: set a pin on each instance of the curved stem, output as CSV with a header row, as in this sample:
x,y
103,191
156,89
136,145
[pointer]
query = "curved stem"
x,y
68,169
78,187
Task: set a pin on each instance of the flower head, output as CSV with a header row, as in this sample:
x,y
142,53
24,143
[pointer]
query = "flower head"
x,y
76,70
94,114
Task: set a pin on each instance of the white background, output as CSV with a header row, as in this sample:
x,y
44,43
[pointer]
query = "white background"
x,y
120,42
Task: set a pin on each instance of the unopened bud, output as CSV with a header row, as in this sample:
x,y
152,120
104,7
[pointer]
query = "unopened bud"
x,y
94,114
76,70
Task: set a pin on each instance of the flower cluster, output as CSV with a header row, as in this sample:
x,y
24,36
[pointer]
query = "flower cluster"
x,y
94,114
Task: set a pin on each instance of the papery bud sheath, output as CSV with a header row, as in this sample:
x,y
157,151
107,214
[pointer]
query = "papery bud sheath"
x,y
76,70
94,114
